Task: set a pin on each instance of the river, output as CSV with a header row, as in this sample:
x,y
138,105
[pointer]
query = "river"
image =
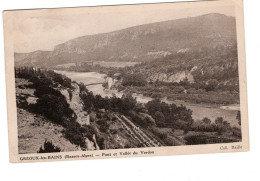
x,y
199,110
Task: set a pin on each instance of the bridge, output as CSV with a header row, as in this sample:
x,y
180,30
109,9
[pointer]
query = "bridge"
x,y
94,83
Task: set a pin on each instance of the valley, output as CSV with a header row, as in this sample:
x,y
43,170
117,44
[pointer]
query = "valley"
x,y
90,122
200,110
168,83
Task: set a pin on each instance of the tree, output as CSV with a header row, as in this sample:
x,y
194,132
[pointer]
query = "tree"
x,y
128,102
181,113
53,107
82,87
165,109
220,125
45,89
159,118
48,147
104,126
211,85
185,83
88,99
134,80
206,120
153,106
99,102
219,120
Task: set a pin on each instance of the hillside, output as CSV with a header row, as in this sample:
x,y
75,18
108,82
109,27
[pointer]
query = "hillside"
x,y
141,43
80,120
33,58
33,128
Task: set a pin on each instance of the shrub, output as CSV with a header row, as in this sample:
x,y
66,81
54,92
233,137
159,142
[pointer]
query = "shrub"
x,y
196,139
46,90
159,119
211,85
222,125
170,141
21,102
204,125
74,134
161,133
103,125
237,132
204,139
42,81
138,119
53,105
134,80
46,105
62,80
82,87
206,120
48,147
101,142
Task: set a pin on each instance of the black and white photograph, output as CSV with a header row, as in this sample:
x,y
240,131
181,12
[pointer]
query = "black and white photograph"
x,y
126,77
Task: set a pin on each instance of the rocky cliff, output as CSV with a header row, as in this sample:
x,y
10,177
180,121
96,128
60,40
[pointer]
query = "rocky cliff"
x,y
177,77
141,43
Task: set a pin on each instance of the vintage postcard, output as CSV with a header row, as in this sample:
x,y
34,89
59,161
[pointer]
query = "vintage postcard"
x,y
126,81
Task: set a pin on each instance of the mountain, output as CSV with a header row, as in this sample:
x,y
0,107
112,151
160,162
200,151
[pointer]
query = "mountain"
x,y
33,58
141,43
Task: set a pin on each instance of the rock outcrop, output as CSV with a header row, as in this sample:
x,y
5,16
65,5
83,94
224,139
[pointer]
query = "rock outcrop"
x,y
76,105
177,77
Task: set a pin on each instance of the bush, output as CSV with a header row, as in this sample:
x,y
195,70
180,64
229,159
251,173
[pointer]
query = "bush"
x,y
161,133
203,127
204,139
170,141
41,81
62,80
56,109
101,143
237,132
53,105
82,87
104,127
172,113
45,90
196,139
159,119
222,125
89,132
134,80
48,147
74,133
140,120
211,85
183,125
206,120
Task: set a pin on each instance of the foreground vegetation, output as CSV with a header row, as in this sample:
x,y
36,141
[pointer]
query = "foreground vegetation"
x,y
169,124
52,104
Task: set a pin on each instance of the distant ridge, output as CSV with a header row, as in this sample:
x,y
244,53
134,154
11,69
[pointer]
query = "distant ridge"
x,y
140,43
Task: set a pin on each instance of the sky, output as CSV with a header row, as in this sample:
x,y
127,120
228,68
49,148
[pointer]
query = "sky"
x,y
44,29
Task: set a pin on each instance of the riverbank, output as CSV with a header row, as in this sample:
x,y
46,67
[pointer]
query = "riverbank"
x,y
89,120
200,110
